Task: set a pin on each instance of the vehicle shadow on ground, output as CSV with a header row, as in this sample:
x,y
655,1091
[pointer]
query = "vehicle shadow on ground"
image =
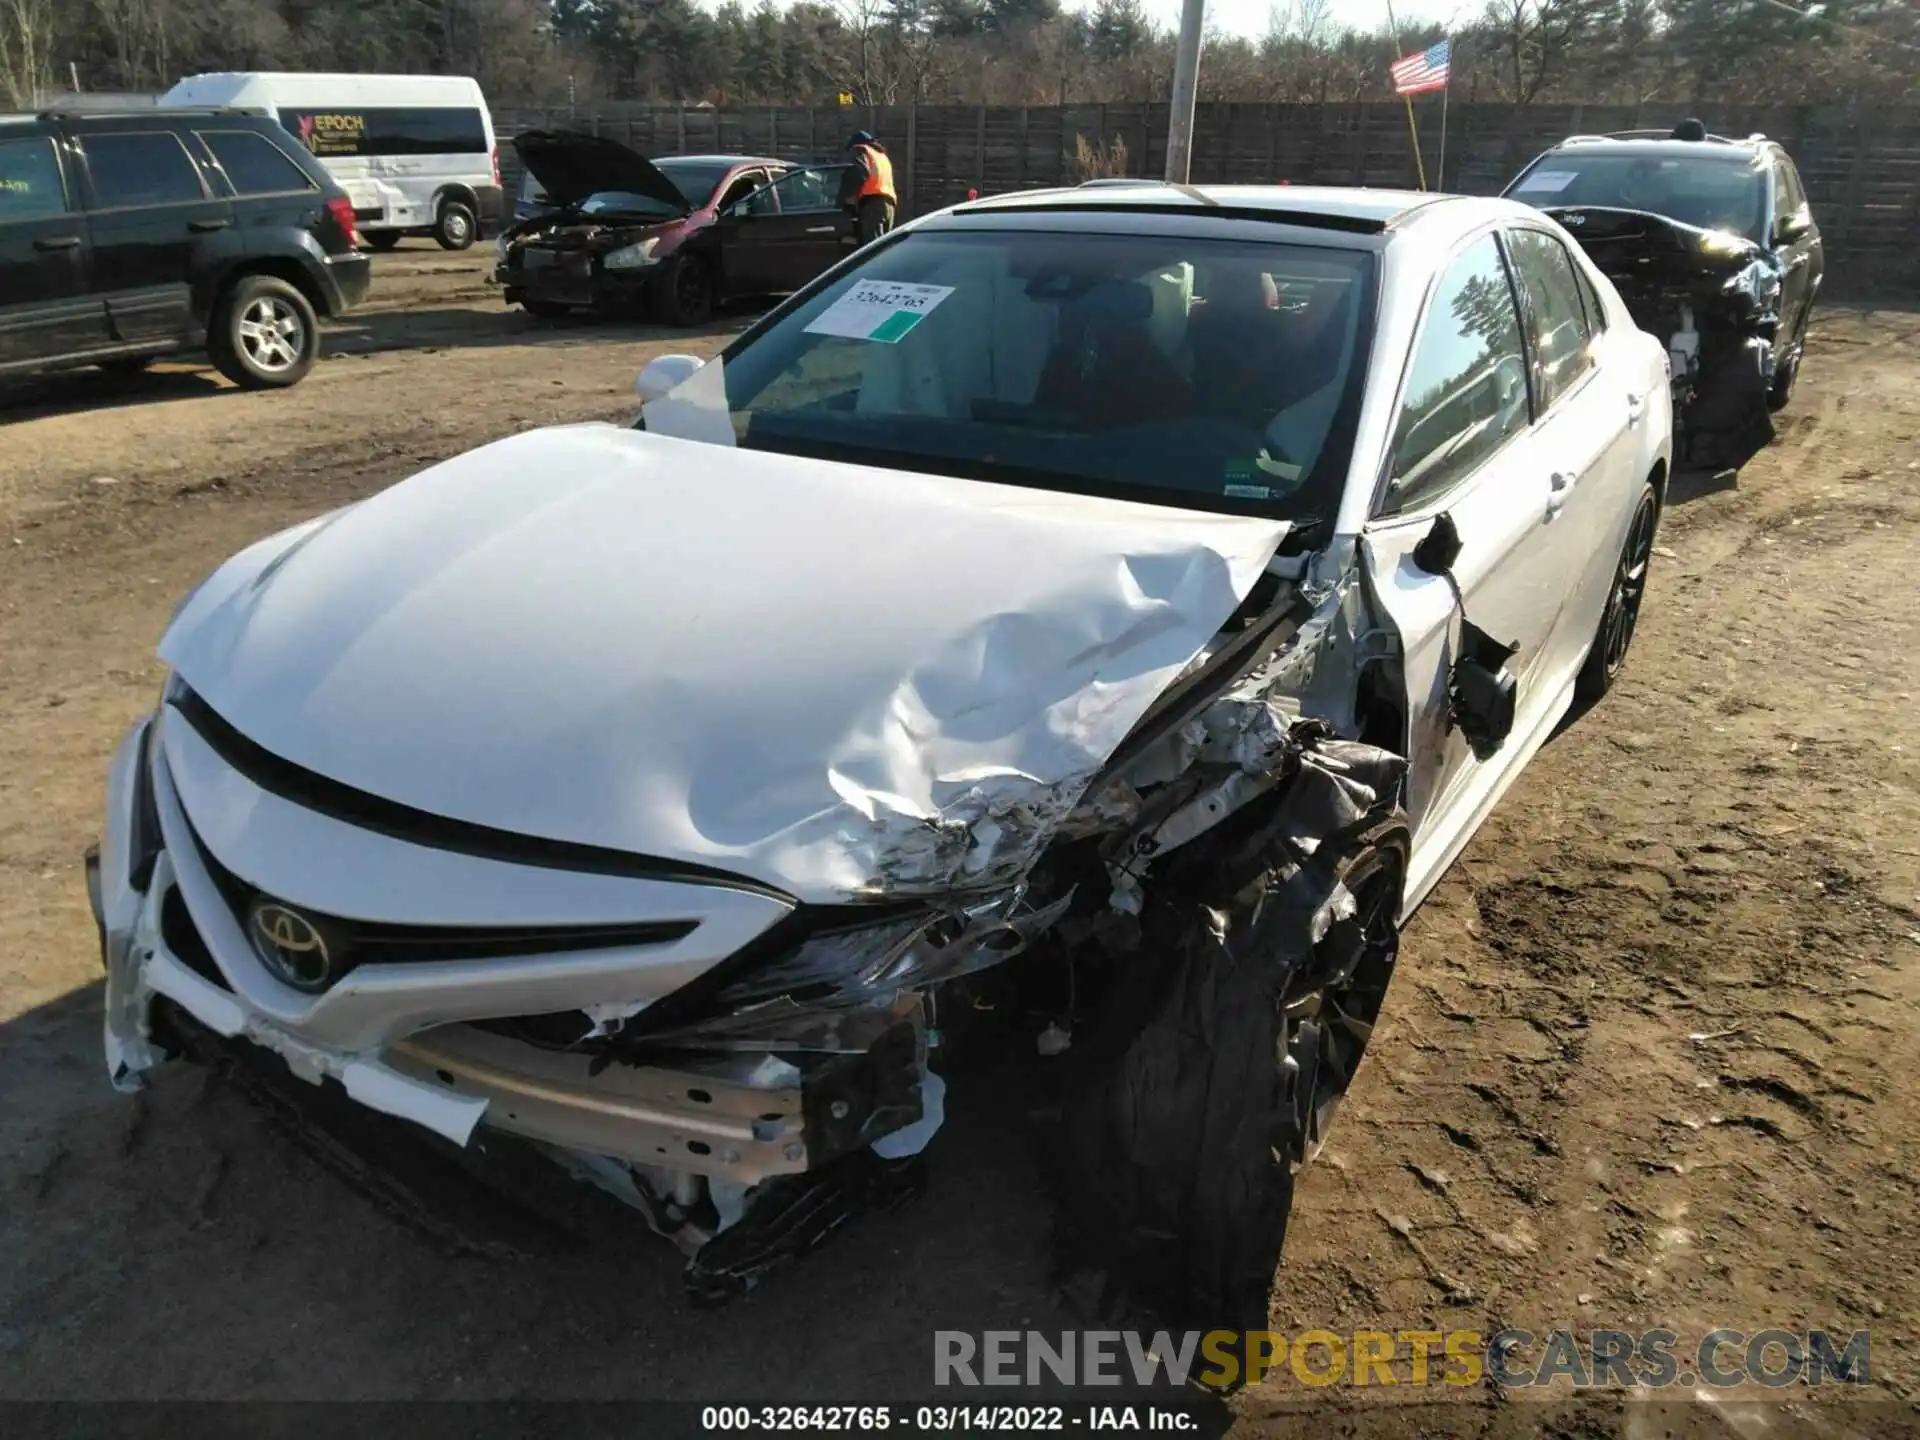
x,y
484,325
1687,486
69,392
187,1211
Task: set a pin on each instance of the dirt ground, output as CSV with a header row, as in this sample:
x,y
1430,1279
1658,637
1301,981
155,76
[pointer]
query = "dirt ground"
x,y
1648,1061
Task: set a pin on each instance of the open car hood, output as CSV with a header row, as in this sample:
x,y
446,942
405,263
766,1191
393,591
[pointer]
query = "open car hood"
x,y
1624,240
571,166
841,681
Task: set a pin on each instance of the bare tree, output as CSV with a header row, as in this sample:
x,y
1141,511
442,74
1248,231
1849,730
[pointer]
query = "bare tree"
x,y
1539,40
26,50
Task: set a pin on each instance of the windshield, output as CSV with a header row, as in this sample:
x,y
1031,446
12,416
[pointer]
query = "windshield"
x,y
624,202
695,180
1208,374
1712,191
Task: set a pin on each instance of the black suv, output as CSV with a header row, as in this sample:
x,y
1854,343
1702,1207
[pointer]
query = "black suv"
x,y
1712,245
129,236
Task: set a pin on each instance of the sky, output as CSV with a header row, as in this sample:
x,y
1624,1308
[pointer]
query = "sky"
x,y
1249,17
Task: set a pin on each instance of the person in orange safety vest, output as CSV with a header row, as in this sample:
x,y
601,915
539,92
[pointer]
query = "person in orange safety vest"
x,y
869,186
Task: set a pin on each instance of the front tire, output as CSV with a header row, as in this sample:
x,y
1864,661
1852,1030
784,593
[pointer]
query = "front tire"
x,y
1181,1145
381,240
264,334
1621,618
456,227
546,309
686,291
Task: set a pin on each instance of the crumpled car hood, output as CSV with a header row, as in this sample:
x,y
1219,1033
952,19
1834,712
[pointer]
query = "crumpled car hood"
x,y
837,680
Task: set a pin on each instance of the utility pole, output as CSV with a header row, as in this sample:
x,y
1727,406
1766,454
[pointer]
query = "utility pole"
x,y
1186,84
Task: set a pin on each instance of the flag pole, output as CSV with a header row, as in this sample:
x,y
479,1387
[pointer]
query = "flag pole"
x,y
1413,130
1445,90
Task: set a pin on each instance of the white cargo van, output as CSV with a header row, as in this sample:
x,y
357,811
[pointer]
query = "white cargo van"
x,y
415,152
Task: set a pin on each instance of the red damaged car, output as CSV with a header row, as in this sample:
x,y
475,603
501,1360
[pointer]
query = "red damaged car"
x,y
669,238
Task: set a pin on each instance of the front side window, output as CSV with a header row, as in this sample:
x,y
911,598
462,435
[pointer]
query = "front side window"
x,y
763,201
1152,367
1466,389
1556,313
1716,188
254,164
812,187
30,180
743,186
148,168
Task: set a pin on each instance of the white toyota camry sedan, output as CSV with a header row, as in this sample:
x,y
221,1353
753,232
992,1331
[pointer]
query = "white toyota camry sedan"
x,y
1079,628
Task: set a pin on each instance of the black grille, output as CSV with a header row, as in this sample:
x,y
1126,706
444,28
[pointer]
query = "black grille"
x,y
410,944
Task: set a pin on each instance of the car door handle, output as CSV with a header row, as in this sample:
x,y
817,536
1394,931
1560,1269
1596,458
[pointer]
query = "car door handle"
x,y
201,227
1559,486
57,242
821,229
1636,407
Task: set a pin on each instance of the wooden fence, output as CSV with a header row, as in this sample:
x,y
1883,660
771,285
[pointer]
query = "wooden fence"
x,y
1861,166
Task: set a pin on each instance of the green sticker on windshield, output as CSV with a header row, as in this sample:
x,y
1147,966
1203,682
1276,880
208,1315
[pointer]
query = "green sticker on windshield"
x,y
882,310
896,325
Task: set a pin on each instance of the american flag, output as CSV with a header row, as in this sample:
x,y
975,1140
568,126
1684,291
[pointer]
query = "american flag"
x,y
1425,71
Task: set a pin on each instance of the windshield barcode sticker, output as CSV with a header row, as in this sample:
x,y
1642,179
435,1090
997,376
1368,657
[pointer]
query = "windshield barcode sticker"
x,y
880,310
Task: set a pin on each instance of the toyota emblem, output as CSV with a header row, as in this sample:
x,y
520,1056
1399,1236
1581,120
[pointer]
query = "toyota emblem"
x,y
293,946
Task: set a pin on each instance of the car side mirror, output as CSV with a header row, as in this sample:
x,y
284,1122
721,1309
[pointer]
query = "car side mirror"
x,y
664,373
1439,547
1790,228
1482,690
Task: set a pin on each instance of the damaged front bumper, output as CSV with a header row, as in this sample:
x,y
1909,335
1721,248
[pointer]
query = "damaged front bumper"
x,y
573,278
685,1130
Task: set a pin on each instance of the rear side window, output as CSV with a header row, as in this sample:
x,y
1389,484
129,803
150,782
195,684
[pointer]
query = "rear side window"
x,y
150,167
1556,312
1788,197
254,164
1596,311
1466,391
30,180
390,130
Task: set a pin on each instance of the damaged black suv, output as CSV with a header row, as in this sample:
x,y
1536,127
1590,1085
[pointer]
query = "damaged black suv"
x,y
1712,245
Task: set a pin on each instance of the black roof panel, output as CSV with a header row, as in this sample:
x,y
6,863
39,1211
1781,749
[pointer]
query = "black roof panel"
x,y
1351,209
